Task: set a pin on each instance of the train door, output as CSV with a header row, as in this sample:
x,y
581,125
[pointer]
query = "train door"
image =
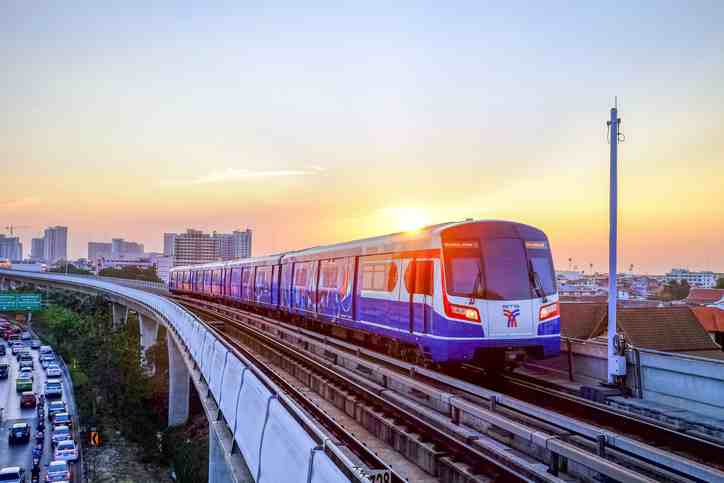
x,y
419,277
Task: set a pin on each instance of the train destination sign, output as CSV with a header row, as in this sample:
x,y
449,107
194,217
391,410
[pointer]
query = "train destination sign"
x,y
10,301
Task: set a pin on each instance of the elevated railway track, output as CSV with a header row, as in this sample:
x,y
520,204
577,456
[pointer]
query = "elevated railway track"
x,y
485,431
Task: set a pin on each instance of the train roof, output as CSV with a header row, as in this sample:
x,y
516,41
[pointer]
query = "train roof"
x,y
420,239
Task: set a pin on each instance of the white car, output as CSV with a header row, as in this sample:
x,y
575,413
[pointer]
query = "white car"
x,y
60,433
53,371
26,372
46,349
57,471
66,451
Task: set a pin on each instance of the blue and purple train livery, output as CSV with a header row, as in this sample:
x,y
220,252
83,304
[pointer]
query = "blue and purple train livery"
x,y
474,291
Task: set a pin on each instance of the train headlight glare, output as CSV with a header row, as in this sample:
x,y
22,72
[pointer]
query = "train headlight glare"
x,y
465,313
548,311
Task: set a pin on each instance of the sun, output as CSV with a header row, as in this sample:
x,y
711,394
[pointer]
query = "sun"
x,y
407,218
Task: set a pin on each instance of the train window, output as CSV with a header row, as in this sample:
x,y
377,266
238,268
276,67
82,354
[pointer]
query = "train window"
x,y
381,277
506,270
419,277
261,277
245,276
329,275
300,276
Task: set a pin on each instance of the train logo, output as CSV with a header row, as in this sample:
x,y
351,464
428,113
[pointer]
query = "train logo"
x,y
511,312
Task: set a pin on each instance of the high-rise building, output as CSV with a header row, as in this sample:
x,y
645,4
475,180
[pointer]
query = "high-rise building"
x,y
224,245
55,244
37,251
11,248
98,250
121,248
168,241
194,247
241,241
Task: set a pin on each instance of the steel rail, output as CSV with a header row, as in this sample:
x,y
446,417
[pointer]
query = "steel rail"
x,y
604,415
493,459
666,460
330,425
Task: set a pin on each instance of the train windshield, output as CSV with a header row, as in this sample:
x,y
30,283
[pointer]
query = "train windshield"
x,y
499,269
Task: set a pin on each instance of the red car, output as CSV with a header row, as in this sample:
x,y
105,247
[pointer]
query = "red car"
x,y
28,400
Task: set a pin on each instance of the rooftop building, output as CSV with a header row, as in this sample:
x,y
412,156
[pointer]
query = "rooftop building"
x,y
694,279
668,329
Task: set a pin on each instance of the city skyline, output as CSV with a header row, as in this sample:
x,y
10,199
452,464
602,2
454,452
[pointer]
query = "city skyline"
x,y
419,115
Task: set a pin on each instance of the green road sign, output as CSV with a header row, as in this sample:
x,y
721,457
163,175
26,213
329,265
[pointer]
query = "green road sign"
x,y
13,301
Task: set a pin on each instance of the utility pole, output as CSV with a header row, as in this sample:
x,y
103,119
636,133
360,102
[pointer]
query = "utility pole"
x,y
616,360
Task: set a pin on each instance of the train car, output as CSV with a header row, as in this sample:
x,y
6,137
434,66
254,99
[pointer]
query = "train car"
x,y
480,292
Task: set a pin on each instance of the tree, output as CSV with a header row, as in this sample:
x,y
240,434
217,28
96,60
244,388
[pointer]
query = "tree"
x,y
720,283
132,273
70,269
676,290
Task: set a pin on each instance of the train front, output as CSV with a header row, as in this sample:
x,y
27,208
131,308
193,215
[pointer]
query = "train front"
x,y
499,276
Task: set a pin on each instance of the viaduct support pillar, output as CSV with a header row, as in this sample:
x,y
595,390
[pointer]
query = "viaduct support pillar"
x,y
120,314
149,334
148,331
219,471
179,385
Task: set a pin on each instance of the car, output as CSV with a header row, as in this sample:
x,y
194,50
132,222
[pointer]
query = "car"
x,y
46,360
12,474
57,470
66,450
22,351
35,344
62,419
28,400
16,347
53,388
19,433
60,433
4,370
25,335
23,384
55,407
53,371
26,372
3,350
46,349
26,363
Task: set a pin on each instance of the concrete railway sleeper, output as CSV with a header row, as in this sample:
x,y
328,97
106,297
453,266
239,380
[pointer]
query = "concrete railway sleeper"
x,y
449,457
566,446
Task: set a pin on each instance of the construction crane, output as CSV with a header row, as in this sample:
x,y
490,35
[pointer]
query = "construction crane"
x,y
12,228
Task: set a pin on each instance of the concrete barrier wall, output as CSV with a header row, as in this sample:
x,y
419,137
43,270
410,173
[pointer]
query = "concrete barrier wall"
x,y
266,426
685,382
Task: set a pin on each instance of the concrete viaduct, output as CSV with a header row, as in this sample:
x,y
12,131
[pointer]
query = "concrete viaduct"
x,y
256,433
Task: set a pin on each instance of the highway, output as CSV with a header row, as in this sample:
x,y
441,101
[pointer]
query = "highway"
x,y
21,455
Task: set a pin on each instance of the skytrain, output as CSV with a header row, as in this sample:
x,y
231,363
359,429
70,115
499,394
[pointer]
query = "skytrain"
x,y
476,292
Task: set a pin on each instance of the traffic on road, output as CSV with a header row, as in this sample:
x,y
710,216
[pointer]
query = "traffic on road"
x,y
36,423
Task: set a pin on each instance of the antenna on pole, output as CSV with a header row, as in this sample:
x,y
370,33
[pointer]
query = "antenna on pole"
x,y
616,358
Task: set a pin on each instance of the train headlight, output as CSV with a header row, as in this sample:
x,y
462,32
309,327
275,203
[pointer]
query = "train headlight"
x,y
466,313
549,311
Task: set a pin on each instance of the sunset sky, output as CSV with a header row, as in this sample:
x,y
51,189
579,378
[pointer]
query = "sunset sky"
x,y
326,123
